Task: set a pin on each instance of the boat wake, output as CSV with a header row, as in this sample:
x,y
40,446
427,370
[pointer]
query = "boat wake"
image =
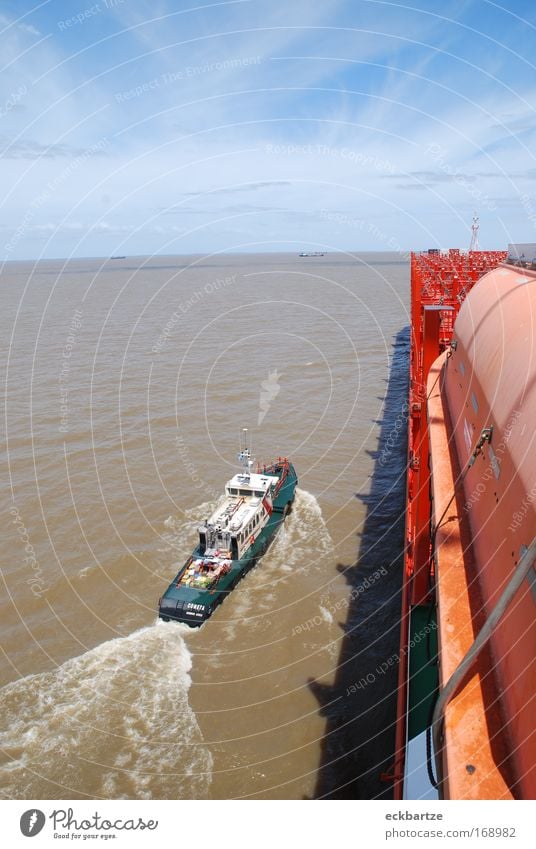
x,y
112,723
292,546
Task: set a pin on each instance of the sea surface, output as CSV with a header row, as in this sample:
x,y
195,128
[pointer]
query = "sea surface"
x,y
127,383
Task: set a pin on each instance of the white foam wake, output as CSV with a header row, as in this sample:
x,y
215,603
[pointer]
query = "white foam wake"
x,y
112,723
304,537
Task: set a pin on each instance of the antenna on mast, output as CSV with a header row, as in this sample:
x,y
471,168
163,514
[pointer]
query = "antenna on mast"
x,y
245,453
474,246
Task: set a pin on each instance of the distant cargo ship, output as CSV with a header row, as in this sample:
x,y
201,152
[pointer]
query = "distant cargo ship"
x,y
232,540
467,673
311,253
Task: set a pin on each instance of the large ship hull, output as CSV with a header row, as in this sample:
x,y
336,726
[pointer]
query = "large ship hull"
x,y
467,674
194,606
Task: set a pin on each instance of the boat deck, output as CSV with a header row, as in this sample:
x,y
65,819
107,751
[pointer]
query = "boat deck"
x,y
204,572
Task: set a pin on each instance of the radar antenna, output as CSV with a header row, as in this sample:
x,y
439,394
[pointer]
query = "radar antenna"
x,y
474,246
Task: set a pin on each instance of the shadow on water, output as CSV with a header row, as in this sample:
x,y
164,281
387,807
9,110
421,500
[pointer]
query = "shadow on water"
x,y
360,706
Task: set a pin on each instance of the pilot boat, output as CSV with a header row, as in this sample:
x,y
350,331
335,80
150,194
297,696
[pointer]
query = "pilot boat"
x,y
232,539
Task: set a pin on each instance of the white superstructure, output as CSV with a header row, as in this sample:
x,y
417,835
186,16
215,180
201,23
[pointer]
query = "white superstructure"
x,y
248,505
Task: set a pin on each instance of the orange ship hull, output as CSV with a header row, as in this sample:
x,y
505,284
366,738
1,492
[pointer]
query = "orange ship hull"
x,y
471,519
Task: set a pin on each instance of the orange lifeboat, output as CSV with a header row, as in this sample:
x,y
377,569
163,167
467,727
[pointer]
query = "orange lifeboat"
x,y
481,413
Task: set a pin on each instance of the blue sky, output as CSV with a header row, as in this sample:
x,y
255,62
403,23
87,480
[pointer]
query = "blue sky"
x,y
133,127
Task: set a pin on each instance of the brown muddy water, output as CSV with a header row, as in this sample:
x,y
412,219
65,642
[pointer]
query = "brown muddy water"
x,y
127,383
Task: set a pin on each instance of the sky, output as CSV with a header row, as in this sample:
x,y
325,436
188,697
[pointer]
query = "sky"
x,y
137,128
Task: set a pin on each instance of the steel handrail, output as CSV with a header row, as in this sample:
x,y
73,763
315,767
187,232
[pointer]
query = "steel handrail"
x,y
451,687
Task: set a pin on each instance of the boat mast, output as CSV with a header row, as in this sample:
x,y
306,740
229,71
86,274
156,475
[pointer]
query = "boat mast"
x,y
245,454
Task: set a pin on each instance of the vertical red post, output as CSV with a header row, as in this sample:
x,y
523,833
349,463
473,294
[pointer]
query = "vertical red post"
x,y
420,589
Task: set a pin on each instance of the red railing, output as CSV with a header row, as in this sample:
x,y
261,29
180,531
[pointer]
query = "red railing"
x,y
281,464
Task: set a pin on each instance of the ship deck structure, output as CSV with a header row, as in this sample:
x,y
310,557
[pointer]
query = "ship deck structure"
x,y
467,671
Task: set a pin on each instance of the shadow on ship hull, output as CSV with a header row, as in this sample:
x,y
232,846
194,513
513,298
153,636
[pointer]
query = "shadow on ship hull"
x,y
360,706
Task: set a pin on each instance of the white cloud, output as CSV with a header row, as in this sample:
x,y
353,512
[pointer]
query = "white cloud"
x,y
9,23
328,116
